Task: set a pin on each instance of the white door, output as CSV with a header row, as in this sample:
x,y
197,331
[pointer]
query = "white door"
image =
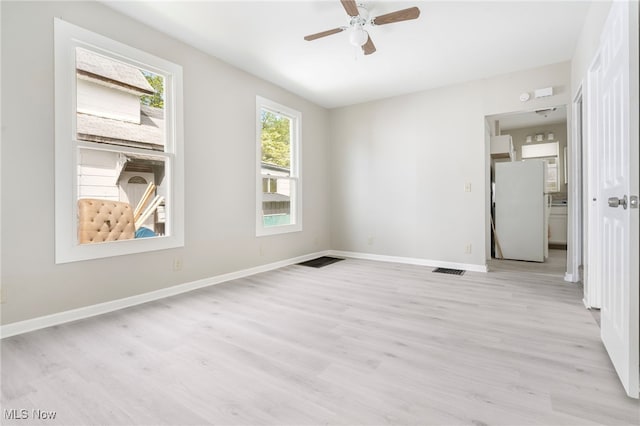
x,y
133,185
618,221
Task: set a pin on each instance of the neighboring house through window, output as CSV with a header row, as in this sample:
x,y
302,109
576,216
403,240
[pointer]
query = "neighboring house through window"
x,y
278,195
119,144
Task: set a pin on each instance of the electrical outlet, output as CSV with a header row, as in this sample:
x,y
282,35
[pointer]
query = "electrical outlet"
x,y
467,249
1,296
177,264
370,240
467,187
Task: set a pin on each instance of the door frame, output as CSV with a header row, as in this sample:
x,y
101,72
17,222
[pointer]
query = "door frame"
x,y
592,244
575,242
488,161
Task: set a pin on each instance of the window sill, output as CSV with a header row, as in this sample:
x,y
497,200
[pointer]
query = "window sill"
x,y
277,230
83,252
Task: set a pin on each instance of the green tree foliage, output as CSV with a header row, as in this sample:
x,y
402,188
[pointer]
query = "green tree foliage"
x,y
157,99
275,139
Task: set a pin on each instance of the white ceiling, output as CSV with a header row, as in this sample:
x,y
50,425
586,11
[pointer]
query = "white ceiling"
x,y
451,41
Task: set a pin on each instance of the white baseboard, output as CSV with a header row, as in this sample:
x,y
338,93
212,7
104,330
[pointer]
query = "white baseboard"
x,y
410,260
26,326
33,324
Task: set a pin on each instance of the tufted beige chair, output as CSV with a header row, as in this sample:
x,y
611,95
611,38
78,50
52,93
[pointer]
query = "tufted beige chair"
x,y
104,220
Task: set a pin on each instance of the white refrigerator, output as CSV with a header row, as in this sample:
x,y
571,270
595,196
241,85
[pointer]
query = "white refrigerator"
x,y
522,210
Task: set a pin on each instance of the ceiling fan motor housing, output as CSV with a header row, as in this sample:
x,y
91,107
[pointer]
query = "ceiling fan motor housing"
x,y
359,36
363,14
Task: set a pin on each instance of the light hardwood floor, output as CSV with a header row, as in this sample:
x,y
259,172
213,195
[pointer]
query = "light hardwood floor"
x,y
356,342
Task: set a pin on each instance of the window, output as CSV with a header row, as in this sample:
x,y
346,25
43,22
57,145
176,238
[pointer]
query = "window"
x,y
278,185
269,185
549,152
118,148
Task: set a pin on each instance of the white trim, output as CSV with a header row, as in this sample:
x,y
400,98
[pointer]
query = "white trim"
x,y
410,260
575,190
591,243
295,169
26,326
1,124
66,38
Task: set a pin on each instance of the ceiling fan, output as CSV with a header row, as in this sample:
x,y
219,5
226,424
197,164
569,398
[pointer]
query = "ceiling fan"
x,y
359,19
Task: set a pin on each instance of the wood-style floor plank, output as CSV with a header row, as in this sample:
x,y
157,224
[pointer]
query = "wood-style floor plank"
x,y
354,343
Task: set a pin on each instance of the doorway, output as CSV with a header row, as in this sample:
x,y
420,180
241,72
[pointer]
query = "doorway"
x,y
533,135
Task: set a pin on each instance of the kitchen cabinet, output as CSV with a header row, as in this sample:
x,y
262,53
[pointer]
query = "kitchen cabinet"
x,y
558,225
502,147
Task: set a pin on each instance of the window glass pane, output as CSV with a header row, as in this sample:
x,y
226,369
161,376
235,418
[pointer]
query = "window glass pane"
x,y
121,196
276,165
118,103
276,205
552,174
276,140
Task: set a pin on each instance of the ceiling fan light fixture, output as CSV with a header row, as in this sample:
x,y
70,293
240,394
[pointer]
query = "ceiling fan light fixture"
x,y
358,36
358,19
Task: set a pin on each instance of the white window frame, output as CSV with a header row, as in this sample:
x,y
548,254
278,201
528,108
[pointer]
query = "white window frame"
x,y
295,169
66,38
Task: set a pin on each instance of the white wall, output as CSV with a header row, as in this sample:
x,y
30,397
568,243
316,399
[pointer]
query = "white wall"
x,y
399,166
219,114
588,42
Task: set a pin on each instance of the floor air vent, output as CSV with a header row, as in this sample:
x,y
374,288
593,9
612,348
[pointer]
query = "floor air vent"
x,y
449,271
320,261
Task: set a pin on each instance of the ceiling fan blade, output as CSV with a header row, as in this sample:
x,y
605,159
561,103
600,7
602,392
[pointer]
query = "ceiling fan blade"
x,y
397,16
324,33
368,48
350,7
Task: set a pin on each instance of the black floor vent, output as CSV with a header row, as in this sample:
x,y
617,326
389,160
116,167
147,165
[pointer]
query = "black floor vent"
x,y
449,271
320,262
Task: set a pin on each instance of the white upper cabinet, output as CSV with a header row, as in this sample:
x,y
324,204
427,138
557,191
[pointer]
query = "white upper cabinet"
x,y
502,147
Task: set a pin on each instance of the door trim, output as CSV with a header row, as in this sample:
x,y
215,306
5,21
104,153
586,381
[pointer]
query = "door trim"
x,y
593,288
575,205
